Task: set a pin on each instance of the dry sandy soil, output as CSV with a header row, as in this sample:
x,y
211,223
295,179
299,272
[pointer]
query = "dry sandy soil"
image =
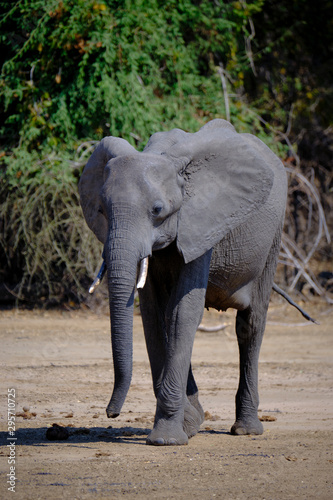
x,y
60,367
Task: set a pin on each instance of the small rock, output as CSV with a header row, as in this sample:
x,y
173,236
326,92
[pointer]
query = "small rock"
x,y
26,415
267,418
209,416
57,433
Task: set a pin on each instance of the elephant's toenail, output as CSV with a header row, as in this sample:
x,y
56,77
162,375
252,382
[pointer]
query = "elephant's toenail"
x,y
159,442
156,442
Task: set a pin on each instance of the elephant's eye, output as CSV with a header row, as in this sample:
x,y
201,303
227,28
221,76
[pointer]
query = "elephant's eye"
x,y
157,208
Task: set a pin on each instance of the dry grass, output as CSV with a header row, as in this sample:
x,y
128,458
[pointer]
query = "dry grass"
x,y
49,254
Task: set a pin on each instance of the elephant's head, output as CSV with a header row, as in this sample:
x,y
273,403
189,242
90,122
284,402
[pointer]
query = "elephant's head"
x,y
188,188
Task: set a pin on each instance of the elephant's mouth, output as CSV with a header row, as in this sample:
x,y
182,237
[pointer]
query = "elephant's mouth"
x,y
141,278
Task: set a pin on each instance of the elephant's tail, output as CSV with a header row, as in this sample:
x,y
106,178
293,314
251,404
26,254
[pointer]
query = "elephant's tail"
x,y
290,300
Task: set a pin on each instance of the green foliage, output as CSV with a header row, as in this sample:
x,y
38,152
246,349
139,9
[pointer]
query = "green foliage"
x,y
84,69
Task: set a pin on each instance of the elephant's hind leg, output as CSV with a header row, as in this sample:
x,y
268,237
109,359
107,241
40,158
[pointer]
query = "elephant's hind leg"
x,y
250,326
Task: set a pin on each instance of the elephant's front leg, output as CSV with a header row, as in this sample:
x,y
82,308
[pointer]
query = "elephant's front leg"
x,y
173,409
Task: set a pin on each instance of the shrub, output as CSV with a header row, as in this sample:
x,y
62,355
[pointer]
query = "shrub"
x,y
47,249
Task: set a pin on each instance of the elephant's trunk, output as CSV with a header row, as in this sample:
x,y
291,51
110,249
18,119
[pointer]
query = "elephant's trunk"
x,y
122,257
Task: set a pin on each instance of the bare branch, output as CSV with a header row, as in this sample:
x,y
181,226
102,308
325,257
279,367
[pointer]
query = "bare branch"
x,y
225,91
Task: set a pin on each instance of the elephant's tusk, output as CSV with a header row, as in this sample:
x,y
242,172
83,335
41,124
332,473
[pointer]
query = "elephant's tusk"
x,y
143,273
98,278
216,328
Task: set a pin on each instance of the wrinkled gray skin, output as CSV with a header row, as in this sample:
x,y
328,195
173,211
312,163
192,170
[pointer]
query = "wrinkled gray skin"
x,y
207,208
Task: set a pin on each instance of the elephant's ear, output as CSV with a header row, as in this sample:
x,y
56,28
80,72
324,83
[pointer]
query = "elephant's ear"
x,y
227,178
92,180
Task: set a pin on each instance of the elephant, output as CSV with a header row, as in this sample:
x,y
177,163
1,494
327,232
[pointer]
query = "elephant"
x,y
198,216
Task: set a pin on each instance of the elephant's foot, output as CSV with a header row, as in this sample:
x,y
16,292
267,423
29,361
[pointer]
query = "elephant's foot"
x,y
194,400
247,426
169,432
166,433
193,418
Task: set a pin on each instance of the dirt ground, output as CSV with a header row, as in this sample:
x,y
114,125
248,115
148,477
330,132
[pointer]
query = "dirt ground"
x,y
59,364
